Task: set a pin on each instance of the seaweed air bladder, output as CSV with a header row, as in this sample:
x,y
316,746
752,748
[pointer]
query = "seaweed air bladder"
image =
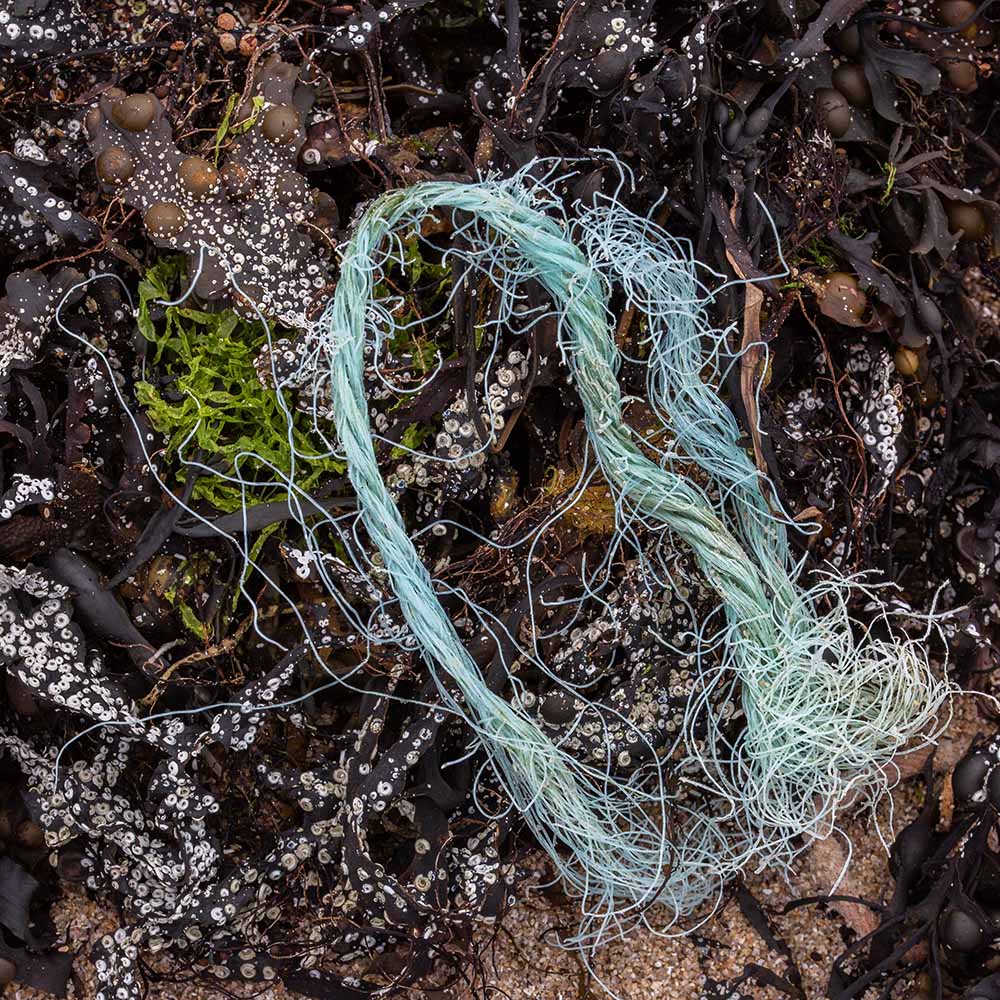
x,y
827,703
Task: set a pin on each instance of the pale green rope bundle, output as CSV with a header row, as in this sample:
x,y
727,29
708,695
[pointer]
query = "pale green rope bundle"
x,y
825,710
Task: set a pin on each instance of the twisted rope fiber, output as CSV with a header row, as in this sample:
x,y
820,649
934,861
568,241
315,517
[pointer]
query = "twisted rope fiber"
x,y
824,710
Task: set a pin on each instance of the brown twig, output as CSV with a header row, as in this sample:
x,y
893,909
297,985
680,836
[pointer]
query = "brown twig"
x,y
226,645
751,351
859,442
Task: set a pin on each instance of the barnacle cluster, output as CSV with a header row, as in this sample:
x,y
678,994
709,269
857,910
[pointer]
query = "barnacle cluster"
x,y
26,311
596,53
457,463
880,421
874,404
216,903
31,215
66,512
33,29
244,225
628,660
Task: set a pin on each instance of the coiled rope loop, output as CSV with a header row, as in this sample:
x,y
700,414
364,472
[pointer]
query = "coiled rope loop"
x,y
825,710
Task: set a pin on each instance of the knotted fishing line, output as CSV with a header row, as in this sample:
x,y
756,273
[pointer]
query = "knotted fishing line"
x,y
827,701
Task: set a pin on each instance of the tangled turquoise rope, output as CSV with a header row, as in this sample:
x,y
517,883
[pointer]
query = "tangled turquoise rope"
x,y
825,708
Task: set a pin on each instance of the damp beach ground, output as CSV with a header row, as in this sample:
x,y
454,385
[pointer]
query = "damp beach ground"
x,y
522,962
